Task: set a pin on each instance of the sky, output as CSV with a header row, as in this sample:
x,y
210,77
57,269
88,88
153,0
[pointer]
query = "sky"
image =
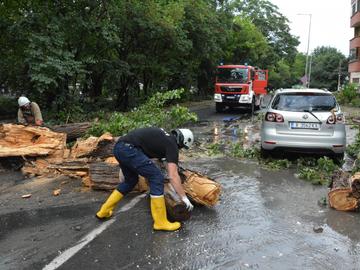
x,y
330,22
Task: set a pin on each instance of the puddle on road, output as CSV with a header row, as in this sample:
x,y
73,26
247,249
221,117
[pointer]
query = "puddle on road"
x,y
265,219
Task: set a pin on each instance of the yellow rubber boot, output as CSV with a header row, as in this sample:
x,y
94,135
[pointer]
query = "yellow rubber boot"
x,y
107,208
158,211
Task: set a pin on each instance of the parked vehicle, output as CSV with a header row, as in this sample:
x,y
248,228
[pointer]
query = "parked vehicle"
x,y
239,86
304,120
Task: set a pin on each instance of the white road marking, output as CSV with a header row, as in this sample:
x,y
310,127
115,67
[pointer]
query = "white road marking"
x,y
67,254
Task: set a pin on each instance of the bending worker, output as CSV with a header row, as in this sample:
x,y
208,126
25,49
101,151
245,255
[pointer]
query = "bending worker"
x,y
134,152
29,112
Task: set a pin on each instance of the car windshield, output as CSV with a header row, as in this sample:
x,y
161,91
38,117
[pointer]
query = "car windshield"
x,y
232,75
304,102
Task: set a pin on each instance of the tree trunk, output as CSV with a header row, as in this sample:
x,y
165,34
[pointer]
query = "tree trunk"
x,y
104,175
73,131
19,140
344,192
95,147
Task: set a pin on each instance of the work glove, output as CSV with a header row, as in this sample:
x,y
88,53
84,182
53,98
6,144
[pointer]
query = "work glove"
x,y
188,204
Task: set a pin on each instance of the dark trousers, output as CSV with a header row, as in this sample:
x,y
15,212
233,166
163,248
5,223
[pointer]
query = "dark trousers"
x,y
133,162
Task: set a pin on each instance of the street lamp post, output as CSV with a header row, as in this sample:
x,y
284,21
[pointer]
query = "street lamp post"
x,y
307,66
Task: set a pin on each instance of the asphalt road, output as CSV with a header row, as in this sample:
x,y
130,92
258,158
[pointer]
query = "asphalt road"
x,y
265,220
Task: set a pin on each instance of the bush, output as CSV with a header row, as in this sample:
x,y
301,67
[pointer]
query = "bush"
x,y
154,112
349,95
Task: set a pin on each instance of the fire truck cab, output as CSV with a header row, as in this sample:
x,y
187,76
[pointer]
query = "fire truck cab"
x,y
239,86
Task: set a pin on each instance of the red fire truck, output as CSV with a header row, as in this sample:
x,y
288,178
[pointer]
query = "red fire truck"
x,y
239,86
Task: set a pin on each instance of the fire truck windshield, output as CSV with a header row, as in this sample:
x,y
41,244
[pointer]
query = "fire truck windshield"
x,y
232,75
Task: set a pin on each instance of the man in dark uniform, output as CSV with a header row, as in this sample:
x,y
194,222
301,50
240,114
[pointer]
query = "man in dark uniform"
x,y
134,152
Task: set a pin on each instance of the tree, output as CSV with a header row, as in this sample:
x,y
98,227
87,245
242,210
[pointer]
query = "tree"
x,y
327,63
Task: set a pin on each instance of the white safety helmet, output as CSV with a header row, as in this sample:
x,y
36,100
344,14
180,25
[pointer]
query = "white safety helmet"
x,y
23,101
184,137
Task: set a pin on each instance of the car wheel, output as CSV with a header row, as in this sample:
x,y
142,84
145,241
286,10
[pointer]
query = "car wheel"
x,y
265,153
219,107
338,158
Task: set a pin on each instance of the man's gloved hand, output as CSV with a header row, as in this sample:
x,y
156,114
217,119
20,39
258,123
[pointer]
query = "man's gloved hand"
x,y
188,204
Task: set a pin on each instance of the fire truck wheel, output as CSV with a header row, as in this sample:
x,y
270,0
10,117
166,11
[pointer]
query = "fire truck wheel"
x,y
219,107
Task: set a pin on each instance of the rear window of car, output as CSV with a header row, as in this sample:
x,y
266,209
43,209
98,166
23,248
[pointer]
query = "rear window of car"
x,y
304,102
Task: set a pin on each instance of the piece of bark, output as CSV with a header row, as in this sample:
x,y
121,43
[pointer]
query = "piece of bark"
x,y
355,185
73,130
20,140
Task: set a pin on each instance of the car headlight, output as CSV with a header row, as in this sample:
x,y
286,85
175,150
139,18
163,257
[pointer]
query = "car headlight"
x,y
245,98
217,98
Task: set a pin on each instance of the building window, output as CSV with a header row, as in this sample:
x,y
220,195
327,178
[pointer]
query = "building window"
x,y
356,31
355,80
353,54
353,8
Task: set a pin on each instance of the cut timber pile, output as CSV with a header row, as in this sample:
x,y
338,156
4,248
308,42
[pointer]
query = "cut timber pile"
x,y
344,192
91,160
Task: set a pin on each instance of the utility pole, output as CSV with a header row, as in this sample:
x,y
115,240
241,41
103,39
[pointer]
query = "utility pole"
x,y
339,75
307,74
309,78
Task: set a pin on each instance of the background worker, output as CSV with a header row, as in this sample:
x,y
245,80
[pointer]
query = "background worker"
x,y
134,152
29,112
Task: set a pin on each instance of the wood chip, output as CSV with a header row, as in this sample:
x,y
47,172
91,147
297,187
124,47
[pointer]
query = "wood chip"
x,y
56,192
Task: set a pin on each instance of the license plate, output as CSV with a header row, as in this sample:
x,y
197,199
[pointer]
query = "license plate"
x,y
302,125
230,97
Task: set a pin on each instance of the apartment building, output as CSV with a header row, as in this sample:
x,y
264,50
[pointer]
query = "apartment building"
x,y
354,56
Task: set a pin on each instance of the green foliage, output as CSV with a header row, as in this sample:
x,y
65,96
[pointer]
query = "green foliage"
x,y
327,62
349,95
213,149
67,55
151,113
318,172
237,150
276,164
353,149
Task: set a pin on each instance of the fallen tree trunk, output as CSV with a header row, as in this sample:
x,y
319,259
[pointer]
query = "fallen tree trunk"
x,y
344,191
73,130
20,140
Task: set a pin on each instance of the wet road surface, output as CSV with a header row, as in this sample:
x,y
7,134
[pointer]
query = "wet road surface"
x,y
265,220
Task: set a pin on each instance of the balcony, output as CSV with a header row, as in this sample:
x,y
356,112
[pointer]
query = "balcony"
x,y
355,20
354,66
355,42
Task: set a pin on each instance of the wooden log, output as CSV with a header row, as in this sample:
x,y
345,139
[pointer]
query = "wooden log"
x,y
104,175
342,199
200,188
355,185
344,191
175,208
20,140
99,147
73,130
